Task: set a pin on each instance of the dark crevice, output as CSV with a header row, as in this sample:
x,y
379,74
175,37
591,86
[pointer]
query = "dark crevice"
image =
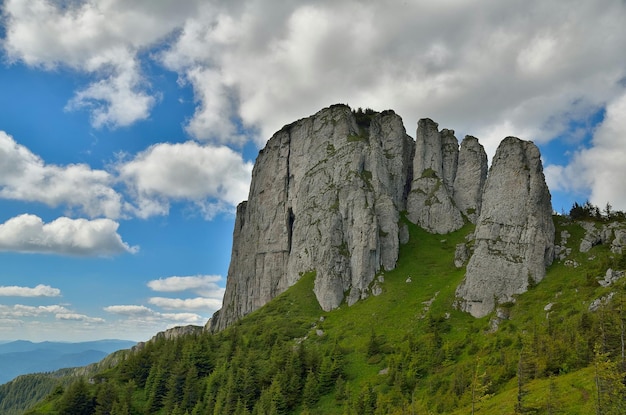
x,y
291,218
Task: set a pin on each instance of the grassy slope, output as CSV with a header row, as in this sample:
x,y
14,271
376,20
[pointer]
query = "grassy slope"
x,y
405,311
428,260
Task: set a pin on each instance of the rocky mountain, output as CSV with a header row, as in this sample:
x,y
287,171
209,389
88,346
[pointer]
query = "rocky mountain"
x,y
328,193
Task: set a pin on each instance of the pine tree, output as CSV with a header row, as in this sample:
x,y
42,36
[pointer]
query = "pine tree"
x,y
76,400
479,386
105,398
610,389
310,393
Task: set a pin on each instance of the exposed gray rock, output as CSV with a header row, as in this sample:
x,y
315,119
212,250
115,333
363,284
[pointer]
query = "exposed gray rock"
x,y
561,252
170,334
430,203
612,233
514,234
326,194
601,302
619,243
611,277
470,177
461,254
593,236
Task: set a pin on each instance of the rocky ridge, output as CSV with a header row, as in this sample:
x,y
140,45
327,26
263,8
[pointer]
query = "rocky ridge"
x,y
328,192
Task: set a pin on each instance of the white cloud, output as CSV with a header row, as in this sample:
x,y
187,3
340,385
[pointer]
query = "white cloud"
x,y
214,178
98,37
144,315
117,100
129,310
26,177
78,317
491,69
468,65
26,311
491,64
65,236
601,168
198,303
197,283
204,285
38,291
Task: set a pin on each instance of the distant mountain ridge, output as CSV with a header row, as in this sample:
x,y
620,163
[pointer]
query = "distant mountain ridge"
x,y
21,356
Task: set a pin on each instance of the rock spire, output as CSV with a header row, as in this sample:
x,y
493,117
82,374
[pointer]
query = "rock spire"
x,y
448,182
514,237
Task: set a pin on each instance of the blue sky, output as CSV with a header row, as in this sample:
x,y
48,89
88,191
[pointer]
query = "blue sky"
x,y
128,130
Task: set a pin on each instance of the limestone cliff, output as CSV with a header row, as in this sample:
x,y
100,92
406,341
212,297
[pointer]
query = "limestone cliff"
x,y
514,237
326,195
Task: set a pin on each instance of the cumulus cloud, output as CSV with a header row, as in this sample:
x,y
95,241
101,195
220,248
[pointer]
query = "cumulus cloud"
x,y
204,285
198,303
599,169
488,65
254,67
98,37
214,178
25,311
491,69
129,310
26,177
78,317
38,291
197,283
29,234
143,315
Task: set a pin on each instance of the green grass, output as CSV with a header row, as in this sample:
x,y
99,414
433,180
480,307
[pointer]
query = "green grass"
x,y
429,352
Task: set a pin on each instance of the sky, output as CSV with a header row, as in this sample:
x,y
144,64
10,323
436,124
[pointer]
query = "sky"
x,y
128,130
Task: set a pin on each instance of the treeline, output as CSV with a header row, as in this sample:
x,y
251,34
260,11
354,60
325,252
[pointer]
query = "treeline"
x,y
25,391
590,211
267,374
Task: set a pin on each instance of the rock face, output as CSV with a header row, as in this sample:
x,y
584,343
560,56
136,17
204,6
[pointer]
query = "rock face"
x,y
470,178
515,232
325,196
447,183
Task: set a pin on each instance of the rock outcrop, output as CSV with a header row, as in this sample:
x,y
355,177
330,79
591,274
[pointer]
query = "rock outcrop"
x,y
170,334
613,234
514,237
447,183
326,196
470,178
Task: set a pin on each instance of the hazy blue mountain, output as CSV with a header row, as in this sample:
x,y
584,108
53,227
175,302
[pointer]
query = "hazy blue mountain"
x,y
21,357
